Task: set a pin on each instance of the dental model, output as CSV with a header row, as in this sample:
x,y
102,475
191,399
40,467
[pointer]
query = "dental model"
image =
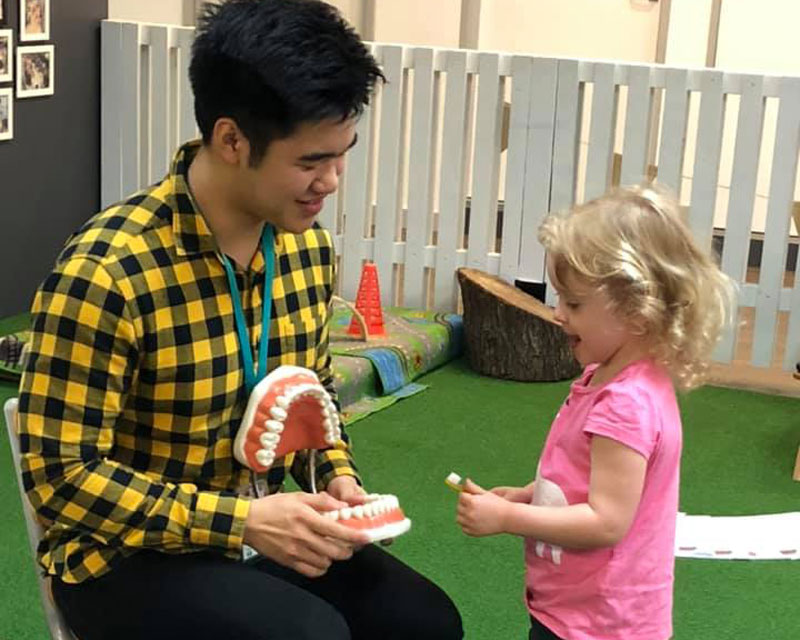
x,y
290,410
380,517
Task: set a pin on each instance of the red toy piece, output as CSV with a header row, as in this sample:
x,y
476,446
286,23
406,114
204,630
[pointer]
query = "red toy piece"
x,y
368,303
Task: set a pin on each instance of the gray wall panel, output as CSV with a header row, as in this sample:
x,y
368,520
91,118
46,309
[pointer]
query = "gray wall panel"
x,y
49,172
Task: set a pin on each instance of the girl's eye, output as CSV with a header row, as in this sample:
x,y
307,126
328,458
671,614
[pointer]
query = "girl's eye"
x,y
573,306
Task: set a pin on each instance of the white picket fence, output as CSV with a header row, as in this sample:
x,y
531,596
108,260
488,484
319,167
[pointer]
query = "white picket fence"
x,y
423,187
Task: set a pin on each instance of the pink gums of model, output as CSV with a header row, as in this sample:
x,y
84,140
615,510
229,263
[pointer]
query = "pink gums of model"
x,y
289,410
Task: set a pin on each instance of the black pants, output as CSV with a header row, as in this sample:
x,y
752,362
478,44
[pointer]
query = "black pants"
x,y
203,596
540,632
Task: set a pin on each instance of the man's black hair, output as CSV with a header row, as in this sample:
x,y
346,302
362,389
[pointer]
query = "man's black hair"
x,y
271,65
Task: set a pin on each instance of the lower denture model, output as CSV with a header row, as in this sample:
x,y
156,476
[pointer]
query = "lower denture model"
x,y
289,410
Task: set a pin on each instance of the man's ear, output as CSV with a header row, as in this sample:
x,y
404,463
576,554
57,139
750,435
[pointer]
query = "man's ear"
x,y
229,143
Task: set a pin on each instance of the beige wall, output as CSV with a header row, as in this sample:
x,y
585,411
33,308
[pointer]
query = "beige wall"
x,y
756,36
420,22
352,10
608,29
159,11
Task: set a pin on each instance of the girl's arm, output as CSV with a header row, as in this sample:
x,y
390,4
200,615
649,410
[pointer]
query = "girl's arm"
x,y
615,487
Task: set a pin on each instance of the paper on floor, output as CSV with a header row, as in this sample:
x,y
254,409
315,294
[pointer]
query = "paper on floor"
x,y
762,537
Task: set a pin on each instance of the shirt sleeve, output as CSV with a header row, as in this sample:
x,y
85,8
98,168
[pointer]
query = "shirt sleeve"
x,y
82,366
625,414
338,460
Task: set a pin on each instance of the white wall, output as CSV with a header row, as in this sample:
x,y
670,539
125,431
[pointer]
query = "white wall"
x,y
687,40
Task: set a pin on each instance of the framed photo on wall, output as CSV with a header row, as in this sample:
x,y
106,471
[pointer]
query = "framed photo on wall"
x,y
6,54
34,20
36,71
6,113
3,12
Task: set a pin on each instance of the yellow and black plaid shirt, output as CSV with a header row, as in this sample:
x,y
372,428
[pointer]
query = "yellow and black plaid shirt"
x,y
134,388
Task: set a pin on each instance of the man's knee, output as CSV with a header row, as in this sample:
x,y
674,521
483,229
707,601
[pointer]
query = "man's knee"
x,y
324,622
442,620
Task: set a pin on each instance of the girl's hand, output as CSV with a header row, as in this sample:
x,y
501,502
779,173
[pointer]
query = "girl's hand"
x,y
515,494
480,512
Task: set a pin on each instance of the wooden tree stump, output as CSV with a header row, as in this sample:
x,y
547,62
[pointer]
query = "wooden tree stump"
x,y
510,334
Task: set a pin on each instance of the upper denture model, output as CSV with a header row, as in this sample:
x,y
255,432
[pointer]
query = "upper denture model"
x,y
290,410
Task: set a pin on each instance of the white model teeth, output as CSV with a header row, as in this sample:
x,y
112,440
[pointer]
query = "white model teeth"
x,y
376,505
265,458
269,440
278,414
275,426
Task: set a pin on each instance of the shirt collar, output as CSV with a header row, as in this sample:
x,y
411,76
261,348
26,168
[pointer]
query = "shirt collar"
x,y
191,231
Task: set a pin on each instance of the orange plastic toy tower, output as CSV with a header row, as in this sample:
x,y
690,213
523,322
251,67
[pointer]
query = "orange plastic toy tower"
x,y
368,303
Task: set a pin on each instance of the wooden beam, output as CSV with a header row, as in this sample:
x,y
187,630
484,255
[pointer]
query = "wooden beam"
x,y
469,32
796,475
713,33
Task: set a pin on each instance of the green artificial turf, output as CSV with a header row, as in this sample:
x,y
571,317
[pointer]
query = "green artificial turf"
x,y
739,450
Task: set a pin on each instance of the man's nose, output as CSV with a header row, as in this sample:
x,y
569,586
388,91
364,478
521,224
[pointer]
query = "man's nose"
x,y
328,181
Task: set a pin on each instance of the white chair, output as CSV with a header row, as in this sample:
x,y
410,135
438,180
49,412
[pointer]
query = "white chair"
x,y
58,626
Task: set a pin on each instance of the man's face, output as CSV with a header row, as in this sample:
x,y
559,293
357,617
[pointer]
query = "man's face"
x,y
288,187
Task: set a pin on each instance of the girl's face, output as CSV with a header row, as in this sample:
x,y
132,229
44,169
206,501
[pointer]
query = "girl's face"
x,y
595,333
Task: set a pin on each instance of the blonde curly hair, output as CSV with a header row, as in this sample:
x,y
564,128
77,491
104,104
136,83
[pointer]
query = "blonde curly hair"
x,y
634,245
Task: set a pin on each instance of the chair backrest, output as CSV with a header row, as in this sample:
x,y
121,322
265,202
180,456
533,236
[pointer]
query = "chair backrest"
x,y
59,629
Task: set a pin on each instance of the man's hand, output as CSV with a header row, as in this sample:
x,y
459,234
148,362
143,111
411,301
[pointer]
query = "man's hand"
x,y
289,529
480,512
346,489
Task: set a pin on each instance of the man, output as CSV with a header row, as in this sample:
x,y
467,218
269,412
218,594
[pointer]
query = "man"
x,y
139,370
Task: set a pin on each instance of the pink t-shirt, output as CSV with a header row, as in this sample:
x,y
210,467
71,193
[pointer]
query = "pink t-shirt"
x,y
625,591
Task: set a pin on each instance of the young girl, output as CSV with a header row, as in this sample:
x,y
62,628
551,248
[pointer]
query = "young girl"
x,y
642,306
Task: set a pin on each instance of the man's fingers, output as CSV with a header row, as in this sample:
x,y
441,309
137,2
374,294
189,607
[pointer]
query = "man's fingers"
x,y
322,501
330,529
308,570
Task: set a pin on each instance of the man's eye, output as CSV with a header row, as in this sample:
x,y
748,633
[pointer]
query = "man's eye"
x,y
307,167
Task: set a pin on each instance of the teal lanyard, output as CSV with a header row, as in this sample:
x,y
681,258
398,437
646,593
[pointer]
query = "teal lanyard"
x,y
251,376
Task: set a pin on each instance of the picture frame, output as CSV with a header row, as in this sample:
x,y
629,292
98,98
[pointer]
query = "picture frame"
x,y
6,54
3,12
34,20
6,113
35,70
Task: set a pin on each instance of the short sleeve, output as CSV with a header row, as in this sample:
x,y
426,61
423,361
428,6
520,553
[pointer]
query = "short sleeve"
x,y
625,414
